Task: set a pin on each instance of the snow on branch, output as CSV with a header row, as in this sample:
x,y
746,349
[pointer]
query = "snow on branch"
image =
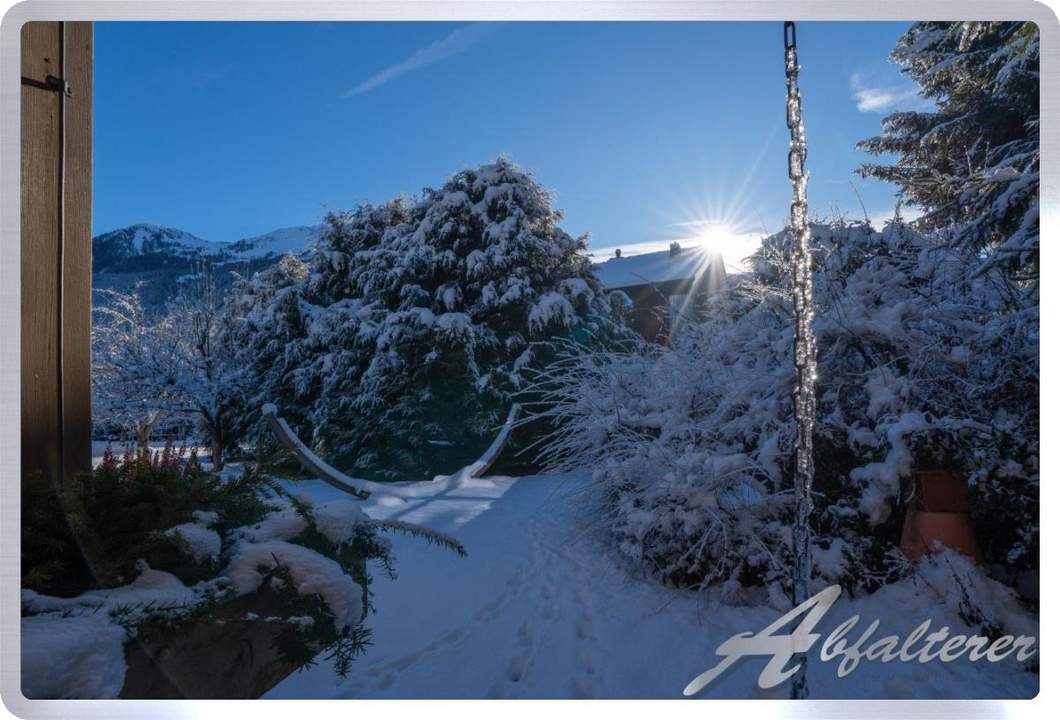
x,y
435,537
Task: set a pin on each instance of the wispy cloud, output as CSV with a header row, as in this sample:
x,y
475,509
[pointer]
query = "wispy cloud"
x,y
884,99
456,42
880,219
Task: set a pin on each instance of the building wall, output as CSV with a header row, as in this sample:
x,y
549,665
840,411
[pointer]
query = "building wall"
x,y
657,304
651,307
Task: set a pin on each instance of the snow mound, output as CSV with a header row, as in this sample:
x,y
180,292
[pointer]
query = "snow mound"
x,y
151,587
281,524
74,647
72,657
200,542
313,574
338,519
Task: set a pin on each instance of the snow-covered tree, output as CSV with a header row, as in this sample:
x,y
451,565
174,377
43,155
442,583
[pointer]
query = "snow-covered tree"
x,y
973,162
124,395
176,365
919,364
399,342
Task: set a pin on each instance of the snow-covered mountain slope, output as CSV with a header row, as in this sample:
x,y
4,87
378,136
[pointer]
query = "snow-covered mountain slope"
x,y
278,242
113,250
118,247
160,260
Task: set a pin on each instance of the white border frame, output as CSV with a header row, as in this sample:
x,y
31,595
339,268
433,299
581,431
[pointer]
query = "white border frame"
x,y
446,10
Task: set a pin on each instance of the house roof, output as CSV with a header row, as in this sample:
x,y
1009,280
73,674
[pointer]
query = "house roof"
x,y
655,267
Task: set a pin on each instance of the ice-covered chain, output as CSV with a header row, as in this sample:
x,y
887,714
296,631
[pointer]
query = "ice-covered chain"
x,y
804,398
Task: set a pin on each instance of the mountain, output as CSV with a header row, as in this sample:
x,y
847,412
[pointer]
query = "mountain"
x,y
148,247
161,260
278,242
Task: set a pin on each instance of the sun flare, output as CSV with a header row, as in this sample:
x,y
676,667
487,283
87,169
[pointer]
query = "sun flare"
x,y
715,235
726,240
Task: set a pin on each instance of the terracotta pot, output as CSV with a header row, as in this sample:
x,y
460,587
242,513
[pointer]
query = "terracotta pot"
x,y
937,516
939,491
924,532
236,658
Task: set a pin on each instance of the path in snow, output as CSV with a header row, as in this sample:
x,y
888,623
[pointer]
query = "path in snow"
x,y
542,608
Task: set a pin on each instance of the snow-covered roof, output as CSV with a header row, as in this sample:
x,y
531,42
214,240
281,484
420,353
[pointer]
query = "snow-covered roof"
x,y
655,267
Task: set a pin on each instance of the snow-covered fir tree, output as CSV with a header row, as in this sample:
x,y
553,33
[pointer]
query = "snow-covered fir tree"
x,y
973,162
177,366
398,344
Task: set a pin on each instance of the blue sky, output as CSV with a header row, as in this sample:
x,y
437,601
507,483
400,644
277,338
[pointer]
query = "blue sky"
x,y
233,129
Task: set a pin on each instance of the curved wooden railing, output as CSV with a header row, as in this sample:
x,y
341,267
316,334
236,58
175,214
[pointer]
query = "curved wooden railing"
x,y
316,466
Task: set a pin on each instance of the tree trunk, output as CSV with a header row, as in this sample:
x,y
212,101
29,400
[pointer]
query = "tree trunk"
x,y
143,437
217,450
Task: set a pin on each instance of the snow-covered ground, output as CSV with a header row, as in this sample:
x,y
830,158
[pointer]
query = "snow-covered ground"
x,y
542,608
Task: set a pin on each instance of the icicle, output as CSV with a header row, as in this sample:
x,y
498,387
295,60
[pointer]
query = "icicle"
x,y
804,400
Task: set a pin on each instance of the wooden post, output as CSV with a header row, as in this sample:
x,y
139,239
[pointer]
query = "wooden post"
x,y
56,248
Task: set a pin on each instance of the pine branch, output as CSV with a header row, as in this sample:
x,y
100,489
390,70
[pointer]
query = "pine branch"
x,y
432,536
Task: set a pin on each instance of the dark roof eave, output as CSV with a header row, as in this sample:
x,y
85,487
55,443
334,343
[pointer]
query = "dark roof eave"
x,y
669,286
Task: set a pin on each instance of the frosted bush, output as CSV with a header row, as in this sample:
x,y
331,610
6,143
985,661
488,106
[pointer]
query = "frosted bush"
x,y
920,365
172,549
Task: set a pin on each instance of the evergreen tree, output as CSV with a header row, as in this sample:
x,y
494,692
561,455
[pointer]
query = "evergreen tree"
x,y
399,342
973,162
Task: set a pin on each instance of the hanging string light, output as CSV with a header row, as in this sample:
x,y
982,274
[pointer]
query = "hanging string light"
x,y
804,398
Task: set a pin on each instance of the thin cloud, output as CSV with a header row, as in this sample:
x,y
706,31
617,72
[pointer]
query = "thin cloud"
x,y
884,99
908,213
456,42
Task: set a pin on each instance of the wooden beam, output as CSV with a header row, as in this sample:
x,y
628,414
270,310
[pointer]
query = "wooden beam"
x,y
56,249
77,265
41,448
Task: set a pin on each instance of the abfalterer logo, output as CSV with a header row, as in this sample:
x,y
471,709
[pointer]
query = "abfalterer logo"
x,y
921,645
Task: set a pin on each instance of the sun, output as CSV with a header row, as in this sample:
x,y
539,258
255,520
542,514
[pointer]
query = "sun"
x,y
715,235
720,238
